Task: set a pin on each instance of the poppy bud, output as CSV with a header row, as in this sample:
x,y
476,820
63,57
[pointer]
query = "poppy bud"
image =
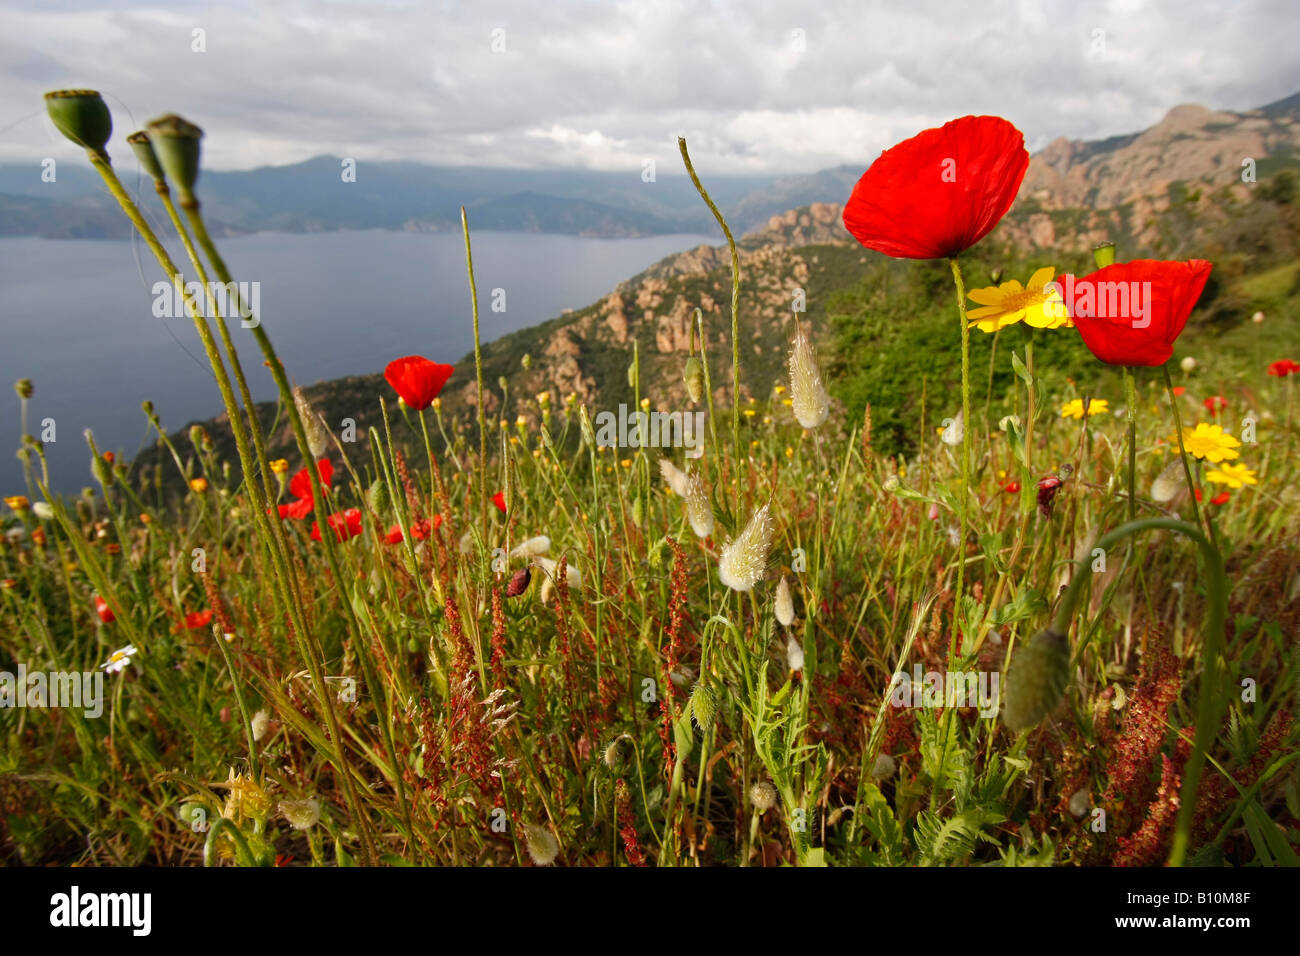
x,y
24,388
526,361
83,117
694,376
519,582
378,496
145,156
1036,680
176,145
703,709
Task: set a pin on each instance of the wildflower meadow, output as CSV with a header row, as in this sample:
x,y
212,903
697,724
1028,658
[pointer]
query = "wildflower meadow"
x,y
1059,629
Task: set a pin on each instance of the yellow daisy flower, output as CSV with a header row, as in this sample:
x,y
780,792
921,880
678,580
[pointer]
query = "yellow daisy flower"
x,y
1074,408
1010,302
1209,442
198,485
18,502
1234,476
280,465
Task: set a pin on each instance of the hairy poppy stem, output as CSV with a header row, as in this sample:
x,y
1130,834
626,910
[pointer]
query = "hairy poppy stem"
x,y
1178,427
1130,396
964,510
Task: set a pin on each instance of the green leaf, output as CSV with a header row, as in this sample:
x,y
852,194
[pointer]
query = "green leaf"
x,y
1023,372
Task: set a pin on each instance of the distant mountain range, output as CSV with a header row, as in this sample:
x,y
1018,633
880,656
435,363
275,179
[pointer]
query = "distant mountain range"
x,y
1123,175
313,197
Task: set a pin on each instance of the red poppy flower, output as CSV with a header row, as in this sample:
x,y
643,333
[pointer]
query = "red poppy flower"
x,y
940,192
419,531
345,525
1011,487
104,611
300,484
1214,403
416,380
298,509
1178,391
499,499
197,619
1284,367
1199,496
1220,499
1130,313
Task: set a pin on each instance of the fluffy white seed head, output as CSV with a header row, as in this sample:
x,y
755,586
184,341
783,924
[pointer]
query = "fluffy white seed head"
x,y
532,547
259,724
301,814
784,603
571,574
674,477
744,559
1169,482
699,510
542,845
763,796
318,439
953,431
808,399
793,654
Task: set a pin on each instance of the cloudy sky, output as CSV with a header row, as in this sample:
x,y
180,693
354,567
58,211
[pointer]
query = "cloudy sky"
x,y
762,86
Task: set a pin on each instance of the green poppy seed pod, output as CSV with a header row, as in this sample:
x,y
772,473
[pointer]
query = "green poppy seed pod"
x,y
1104,254
144,154
694,376
175,142
1036,680
378,496
83,117
24,388
703,708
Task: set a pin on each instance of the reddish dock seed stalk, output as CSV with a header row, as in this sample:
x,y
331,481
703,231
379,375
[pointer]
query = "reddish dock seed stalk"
x,y
627,824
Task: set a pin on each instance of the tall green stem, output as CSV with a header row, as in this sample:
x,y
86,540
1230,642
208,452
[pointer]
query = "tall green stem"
x,y
964,510
735,314
1182,451
478,372
1130,398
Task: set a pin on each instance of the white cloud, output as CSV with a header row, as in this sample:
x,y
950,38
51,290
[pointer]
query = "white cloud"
x,y
609,84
